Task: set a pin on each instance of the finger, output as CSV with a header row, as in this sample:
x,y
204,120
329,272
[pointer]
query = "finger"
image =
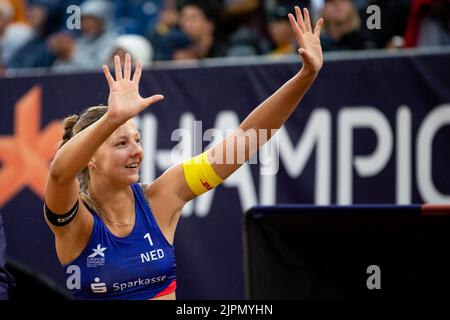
x,y
108,75
318,27
118,68
294,24
301,23
137,72
305,54
127,68
153,99
295,27
307,20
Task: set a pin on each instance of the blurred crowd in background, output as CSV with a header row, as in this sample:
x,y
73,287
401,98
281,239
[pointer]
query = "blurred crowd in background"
x,y
41,33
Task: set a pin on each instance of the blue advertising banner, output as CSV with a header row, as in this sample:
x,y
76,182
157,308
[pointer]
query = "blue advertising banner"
x,y
372,130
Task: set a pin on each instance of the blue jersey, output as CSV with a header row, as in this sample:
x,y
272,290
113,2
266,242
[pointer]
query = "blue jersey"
x,y
139,266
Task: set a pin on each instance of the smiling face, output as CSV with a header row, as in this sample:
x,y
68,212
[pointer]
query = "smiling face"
x,y
118,159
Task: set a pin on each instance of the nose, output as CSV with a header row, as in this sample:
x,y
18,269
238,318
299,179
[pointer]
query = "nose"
x,y
136,148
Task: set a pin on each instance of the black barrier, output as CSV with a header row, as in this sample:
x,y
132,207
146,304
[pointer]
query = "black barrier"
x,y
346,252
30,285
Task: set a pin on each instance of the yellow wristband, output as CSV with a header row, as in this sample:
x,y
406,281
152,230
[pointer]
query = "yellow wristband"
x,y
200,175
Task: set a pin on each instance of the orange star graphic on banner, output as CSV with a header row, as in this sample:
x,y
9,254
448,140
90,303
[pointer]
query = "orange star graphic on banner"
x,y
25,156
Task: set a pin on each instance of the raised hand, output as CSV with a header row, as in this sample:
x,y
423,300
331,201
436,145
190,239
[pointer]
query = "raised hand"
x,y
308,41
124,101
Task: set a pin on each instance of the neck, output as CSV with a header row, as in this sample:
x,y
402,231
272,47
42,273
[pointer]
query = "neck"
x,y
114,203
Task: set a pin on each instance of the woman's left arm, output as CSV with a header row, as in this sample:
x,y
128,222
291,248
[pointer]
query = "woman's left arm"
x,y
271,114
172,186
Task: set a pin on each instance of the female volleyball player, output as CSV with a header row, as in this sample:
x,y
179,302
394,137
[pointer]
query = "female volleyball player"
x,y
113,236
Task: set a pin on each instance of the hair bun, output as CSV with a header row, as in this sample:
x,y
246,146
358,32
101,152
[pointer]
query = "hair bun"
x,y
69,123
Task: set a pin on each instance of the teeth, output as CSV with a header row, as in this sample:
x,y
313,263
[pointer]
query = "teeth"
x,y
134,165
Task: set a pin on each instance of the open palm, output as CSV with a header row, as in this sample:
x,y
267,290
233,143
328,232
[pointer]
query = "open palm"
x,y
307,39
124,101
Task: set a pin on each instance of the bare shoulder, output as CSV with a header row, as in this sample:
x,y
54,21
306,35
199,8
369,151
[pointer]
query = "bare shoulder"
x,y
166,196
147,189
164,207
171,184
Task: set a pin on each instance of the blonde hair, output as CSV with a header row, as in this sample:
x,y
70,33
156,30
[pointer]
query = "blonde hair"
x,y
74,124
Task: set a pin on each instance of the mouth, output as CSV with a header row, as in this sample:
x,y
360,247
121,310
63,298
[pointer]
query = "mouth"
x,y
133,166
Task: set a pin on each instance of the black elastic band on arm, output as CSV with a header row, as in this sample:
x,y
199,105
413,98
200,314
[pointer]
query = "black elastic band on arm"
x,y
60,220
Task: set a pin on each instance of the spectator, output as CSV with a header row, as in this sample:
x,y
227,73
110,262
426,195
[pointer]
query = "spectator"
x,y
44,17
281,32
93,47
13,32
137,46
244,25
20,12
167,36
249,14
246,41
6,14
289,4
198,21
341,26
137,16
429,24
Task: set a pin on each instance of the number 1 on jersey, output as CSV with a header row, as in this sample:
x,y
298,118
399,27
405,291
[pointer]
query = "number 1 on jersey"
x,y
147,236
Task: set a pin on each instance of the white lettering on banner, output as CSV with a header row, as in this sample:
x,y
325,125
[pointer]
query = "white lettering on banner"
x,y
317,132
316,137
434,121
149,130
365,166
403,156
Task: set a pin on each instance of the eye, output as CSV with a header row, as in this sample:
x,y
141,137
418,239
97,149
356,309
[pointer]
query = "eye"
x,y
138,140
121,143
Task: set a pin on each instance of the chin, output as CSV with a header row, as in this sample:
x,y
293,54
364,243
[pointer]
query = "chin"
x,y
132,179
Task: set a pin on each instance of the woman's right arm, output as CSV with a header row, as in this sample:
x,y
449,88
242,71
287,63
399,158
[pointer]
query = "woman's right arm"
x,y
62,186
124,102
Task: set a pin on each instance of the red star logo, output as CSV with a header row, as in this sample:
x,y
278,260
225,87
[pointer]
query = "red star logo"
x,y
25,156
